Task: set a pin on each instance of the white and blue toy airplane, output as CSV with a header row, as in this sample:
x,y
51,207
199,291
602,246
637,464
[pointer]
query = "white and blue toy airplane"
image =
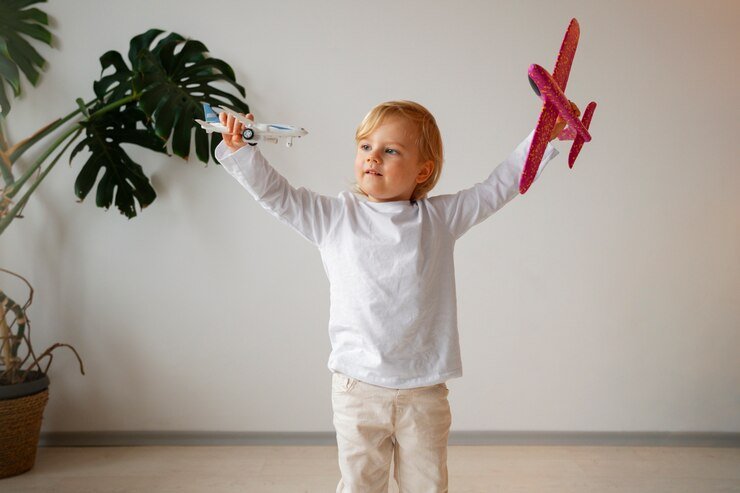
x,y
253,131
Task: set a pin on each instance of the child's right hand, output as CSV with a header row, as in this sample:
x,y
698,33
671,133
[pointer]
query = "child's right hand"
x,y
561,123
233,139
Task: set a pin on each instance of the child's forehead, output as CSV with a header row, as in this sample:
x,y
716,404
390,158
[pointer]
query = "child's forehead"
x,y
395,125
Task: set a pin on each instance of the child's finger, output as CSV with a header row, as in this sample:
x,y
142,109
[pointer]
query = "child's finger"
x,y
230,123
230,127
234,127
575,108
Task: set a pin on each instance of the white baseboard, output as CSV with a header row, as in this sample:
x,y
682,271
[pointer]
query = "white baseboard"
x,y
182,438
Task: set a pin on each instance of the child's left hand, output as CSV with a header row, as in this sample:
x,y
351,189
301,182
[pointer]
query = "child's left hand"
x,y
560,123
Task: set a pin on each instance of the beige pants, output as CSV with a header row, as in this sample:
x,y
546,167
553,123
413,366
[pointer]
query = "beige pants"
x,y
375,423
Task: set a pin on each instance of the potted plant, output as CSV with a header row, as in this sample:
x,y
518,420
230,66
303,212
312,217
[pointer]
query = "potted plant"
x,y
149,99
23,385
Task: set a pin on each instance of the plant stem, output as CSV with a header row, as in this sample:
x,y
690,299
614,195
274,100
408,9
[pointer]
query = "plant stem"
x,y
13,190
5,221
5,163
18,149
11,155
114,105
5,336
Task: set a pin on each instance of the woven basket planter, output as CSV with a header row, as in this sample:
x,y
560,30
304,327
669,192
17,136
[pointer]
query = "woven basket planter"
x,y
20,425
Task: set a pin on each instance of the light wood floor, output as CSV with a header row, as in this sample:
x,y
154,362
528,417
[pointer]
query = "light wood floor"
x,y
285,469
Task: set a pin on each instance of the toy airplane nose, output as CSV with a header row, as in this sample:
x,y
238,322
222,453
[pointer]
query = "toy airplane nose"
x,y
534,86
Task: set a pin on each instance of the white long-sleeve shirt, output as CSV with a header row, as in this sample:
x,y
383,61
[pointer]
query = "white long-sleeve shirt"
x,y
393,310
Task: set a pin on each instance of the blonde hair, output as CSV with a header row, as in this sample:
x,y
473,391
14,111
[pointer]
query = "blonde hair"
x,y
428,141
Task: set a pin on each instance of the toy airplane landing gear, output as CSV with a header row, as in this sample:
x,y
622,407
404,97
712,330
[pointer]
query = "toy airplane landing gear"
x,y
253,131
552,91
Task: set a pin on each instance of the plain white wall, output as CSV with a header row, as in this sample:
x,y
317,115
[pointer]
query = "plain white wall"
x,y
606,298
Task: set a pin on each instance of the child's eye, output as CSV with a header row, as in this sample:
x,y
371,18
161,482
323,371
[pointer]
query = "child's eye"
x,y
391,151
365,147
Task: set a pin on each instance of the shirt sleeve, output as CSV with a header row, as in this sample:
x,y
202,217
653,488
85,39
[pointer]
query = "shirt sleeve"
x,y
307,212
469,207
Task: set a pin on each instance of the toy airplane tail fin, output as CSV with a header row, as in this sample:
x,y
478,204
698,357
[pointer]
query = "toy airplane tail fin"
x,y
210,115
578,142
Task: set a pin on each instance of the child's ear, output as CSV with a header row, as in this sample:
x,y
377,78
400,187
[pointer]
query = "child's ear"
x,y
425,171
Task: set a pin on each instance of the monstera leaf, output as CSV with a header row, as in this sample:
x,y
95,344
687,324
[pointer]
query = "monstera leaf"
x,y
171,80
159,97
150,100
16,22
123,177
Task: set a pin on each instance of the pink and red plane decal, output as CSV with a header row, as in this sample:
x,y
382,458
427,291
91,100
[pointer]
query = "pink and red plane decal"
x,y
551,88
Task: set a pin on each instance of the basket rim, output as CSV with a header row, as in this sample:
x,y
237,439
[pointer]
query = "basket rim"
x,y
30,387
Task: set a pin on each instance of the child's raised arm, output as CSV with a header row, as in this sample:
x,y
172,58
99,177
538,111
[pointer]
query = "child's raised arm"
x,y
307,212
469,207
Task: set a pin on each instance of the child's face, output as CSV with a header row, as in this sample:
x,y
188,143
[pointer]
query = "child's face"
x,y
387,164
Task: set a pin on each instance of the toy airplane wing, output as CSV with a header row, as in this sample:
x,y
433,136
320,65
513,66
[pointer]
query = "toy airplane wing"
x,y
566,54
240,118
545,125
211,123
211,127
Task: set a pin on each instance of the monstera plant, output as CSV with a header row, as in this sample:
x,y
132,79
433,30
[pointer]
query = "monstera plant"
x,y
149,98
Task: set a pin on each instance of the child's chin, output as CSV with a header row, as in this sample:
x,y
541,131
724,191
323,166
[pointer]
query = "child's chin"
x,y
372,189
